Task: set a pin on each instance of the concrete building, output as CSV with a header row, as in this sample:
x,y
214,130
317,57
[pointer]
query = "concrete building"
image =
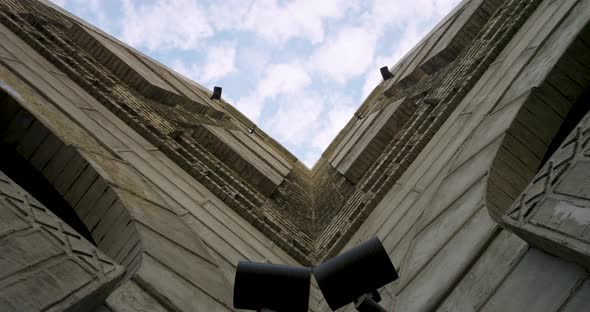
x,y
125,187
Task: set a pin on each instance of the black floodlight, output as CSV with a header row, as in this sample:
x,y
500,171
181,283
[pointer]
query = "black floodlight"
x,y
216,93
355,276
271,287
385,73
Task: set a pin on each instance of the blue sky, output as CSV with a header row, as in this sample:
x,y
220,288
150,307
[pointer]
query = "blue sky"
x,y
299,69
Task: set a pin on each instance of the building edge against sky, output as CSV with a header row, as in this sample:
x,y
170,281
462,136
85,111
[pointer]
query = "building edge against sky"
x,y
125,187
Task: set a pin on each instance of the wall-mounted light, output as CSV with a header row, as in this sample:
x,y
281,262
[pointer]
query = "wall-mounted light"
x,y
385,73
216,93
271,287
355,276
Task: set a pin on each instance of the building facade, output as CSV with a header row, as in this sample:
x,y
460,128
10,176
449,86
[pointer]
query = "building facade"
x,y
125,187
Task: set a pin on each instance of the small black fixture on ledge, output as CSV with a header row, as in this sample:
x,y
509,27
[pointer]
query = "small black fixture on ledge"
x,y
385,73
216,93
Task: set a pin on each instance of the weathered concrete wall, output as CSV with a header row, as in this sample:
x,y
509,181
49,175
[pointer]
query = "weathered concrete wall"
x,y
539,282
435,221
46,265
73,174
174,267
436,172
431,100
190,241
553,213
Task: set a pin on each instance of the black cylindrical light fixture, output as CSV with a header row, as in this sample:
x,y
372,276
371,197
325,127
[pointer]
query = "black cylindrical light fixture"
x,y
271,286
361,270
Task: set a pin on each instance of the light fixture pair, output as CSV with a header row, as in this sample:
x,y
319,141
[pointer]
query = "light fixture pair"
x,y
353,276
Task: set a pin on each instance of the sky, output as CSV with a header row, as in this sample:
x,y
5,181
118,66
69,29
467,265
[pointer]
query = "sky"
x,y
299,69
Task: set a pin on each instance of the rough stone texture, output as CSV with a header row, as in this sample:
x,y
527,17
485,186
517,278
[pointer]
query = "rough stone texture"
x,y
579,299
70,172
536,292
46,265
553,213
366,141
427,218
244,154
247,170
178,188
442,46
89,163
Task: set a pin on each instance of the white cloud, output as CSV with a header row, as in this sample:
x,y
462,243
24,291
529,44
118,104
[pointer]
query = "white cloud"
x,y
277,21
283,79
165,24
297,19
279,79
220,62
348,55
228,14
257,59
309,122
341,109
250,105
296,118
